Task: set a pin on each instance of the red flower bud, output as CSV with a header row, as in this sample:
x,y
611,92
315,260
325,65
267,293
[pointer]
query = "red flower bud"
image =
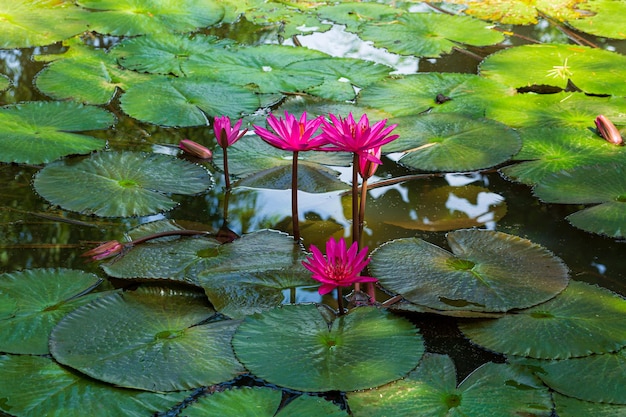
x,y
608,131
105,250
195,149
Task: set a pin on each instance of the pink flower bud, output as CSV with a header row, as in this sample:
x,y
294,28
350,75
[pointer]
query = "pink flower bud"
x,y
105,250
195,149
608,131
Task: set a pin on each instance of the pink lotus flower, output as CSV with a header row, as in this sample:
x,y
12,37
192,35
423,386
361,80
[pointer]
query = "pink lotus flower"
x,y
224,133
608,131
105,250
367,167
357,137
291,134
195,149
341,266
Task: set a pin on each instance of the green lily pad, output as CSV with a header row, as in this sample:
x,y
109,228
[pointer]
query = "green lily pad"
x,y
418,93
186,101
572,407
260,402
39,132
452,142
519,12
33,301
264,166
428,34
288,19
597,378
486,271
603,18
317,355
152,339
31,23
353,14
130,18
38,386
556,65
604,185
549,150
136,184
431,391
580,321
4,82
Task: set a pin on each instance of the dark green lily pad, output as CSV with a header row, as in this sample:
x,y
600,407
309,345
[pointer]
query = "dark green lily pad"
x,y
486,271
597,378
136,184
601,18
39,132
415,94
154,339
37,23
556,65
604,185
428,34
260,402
129,18
580,321
186,101
452,142
317,355
572,407
38,386
549,150
431,391
33,301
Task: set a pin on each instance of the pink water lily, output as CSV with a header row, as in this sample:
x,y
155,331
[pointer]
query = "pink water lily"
x,y
291,134
357,137
225,133
340,268
367,167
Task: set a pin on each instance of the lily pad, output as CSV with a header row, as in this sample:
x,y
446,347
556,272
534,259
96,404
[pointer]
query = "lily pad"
x,y
120,184
452,142
319,355
353,14
604,185
4,82
597,378
601,18
130,17
186,101
154,339
260,402
39,132
38,386
418,93
486,271
29,23
519,12
547,151
428,34
33,301
580,321
431,391
557,65
572,407
288,19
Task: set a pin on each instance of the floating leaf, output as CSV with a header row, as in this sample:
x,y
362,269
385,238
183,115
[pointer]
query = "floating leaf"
x,y
129,18
260,402
33,301
604,185
112,184
28,23
571,407
519,12
38,386
316,355
186,101
549,150
152,339
419,93
39,132
580,321
428,34
431,391
579,377
486,271
452,142
289,21
557,65
602,18
4,82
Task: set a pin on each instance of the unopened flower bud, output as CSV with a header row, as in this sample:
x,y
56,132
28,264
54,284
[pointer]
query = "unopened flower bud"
x,y
608,131
105,250
195,149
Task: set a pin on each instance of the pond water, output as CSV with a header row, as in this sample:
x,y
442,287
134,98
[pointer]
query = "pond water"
x,y
409,203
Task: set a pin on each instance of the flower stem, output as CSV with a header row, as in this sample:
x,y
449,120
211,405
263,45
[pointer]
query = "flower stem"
x,y
226,174
362,209
340,301
294,197
355,200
